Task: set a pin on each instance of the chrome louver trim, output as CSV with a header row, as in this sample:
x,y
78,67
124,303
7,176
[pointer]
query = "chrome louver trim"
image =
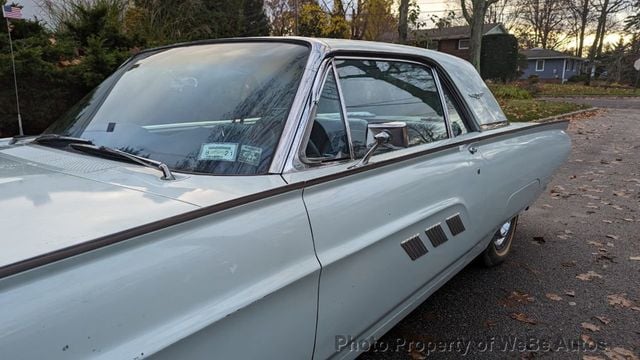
x,y
414,247
455,224
436,235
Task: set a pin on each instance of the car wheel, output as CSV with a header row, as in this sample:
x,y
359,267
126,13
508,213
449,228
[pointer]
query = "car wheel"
x,y
500,245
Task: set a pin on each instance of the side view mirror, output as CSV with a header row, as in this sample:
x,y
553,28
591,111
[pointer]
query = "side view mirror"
x,y
399,135
392,133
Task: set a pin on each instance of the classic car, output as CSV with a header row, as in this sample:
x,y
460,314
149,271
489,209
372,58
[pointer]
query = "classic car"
x,y
258,198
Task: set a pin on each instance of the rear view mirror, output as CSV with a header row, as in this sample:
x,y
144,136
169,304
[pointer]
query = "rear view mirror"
x,y
397,130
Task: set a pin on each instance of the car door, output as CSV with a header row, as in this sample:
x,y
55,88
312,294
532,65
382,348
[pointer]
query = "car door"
x,y
389,232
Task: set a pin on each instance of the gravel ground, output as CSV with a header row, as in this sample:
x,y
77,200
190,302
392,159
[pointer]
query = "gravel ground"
x,y
571,287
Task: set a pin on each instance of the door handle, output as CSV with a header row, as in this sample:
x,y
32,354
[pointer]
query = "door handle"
x,y
473,149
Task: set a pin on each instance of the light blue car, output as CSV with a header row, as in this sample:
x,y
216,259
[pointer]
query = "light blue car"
x,y
261,198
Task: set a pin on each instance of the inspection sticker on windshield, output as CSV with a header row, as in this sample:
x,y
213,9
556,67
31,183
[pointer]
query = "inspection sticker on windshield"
x,y
250,155
218,152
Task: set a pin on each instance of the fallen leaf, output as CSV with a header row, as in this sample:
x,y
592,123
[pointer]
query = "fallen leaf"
x,y
614,237
588,276
563,237
569,263
539,239
587,340
619,299
523,318
571,303
607,221
618,353
570,293
554,297
517,297
603,319
634,258
616,207
589,357
635,308
590,326
595,243
490,324
415,354
628,219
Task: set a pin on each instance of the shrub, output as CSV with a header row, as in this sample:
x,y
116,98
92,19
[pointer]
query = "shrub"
x,y
578,78
499,58
509,92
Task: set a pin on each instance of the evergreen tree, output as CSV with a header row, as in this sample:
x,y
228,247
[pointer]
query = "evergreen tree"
x,y
255,21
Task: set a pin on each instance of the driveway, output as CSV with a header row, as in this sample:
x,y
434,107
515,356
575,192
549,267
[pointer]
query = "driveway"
x,y
571,287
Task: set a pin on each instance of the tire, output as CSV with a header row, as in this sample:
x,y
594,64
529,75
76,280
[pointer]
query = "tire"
x,y
500,245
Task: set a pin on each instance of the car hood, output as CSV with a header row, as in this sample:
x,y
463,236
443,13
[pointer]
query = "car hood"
x,y
52,199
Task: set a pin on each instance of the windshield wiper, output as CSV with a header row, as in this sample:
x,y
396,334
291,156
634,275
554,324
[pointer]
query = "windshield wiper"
x,y
111,152
60,139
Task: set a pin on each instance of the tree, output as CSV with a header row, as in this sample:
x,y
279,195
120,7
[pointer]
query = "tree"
x,y
282,16
475,15
313,20
403,20
499,57
255,21
545,20
632,23
581,16
371,19
604,8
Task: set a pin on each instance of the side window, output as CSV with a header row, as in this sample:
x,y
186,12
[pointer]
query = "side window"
x,y
457,124
328,139
390,91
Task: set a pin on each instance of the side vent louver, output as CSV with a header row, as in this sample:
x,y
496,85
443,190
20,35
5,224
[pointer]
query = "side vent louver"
x,y
414,247
436,235
455,224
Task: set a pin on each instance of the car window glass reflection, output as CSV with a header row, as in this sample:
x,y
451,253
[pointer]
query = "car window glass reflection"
x,y
389,91
212,109
328,138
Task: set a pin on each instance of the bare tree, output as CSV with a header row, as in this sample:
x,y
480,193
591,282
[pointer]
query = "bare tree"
x,y
503,12
281,14
475,15
605,9
581,16
545,20
403,21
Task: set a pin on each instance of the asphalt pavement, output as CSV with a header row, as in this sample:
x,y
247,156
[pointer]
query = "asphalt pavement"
x,y
571,287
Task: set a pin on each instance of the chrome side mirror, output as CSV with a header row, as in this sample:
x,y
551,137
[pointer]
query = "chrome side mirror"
x,y
381,138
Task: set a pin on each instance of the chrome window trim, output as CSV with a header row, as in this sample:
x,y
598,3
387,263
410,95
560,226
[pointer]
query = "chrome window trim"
x,y
294,163
299,107
443,102
328,68
343,108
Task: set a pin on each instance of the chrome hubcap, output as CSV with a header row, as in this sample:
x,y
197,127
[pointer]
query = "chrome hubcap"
x,y
501,235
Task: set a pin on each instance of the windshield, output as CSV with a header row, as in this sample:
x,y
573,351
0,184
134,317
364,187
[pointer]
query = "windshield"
x,y
212,109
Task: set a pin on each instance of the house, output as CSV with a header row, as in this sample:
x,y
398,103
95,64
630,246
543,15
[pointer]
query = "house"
x,y
454,40
551,65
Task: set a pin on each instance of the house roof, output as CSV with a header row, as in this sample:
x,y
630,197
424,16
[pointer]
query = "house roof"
x,y
460,32
539,53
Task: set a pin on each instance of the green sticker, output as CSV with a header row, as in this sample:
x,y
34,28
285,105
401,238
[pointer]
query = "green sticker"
x,y
218,152
250,155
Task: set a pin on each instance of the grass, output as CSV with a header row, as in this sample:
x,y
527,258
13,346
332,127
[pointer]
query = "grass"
x,y
573,89
518,110
507,91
